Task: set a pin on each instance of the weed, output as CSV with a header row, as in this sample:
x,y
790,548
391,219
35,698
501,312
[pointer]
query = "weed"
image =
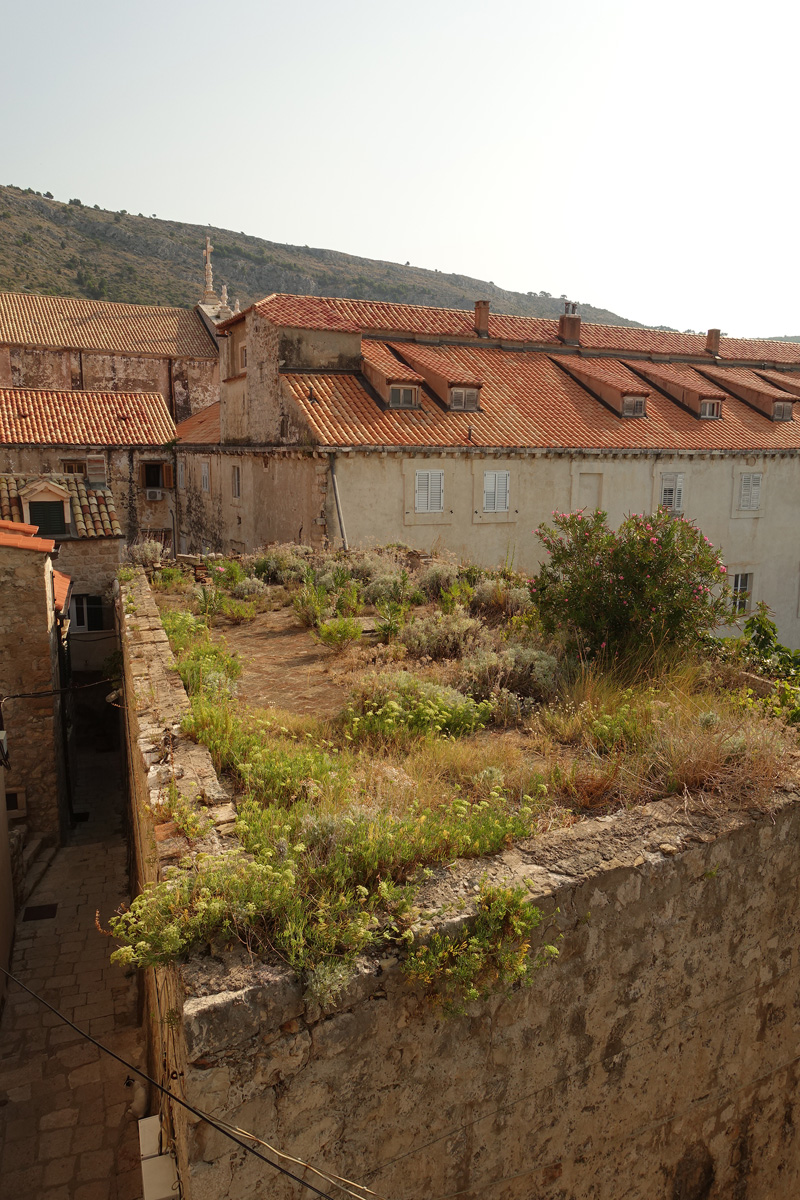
x,y
238,612
492,955
339,632
392,707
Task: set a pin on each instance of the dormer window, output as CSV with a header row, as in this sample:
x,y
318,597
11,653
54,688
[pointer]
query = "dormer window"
x,y
710,410
403,397
464,399
782,410
633,406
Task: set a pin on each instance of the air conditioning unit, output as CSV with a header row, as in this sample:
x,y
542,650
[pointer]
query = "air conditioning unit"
x,y
155,494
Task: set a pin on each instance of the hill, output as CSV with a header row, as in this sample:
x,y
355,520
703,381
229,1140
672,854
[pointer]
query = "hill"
x,y
75,250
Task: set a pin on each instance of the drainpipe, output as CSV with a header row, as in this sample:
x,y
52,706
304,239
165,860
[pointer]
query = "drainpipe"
x,y
335,482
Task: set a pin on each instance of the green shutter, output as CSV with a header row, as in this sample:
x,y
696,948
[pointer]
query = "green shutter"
x,y
48,515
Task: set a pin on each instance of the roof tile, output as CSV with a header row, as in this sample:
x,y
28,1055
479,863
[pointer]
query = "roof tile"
x,y
61,322
32,417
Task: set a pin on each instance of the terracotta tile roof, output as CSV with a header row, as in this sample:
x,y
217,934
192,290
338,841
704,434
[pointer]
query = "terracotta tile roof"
x,y
16,541
787,380
94,514
608,371
32,417
203,427
61,586
752,379
60,322
680,375
426,358
526,400
19,529
379,356
384,318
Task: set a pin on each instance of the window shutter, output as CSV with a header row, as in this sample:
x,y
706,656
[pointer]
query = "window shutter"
x,y
755,491
502,491
422,491
143,475
668,491
166,474
437,491
678,505
745,491
490,491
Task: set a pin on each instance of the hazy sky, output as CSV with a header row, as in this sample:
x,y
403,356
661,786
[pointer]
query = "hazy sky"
x,y
636,156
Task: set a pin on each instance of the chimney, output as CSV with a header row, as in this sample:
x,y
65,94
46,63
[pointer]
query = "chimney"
x,y
482,318
712,342
569,325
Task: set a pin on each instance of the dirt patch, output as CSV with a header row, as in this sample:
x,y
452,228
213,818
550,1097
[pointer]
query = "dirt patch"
x,y
284,667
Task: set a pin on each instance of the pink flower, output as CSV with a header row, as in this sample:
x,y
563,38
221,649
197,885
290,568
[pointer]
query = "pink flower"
x,y
723,570
654,540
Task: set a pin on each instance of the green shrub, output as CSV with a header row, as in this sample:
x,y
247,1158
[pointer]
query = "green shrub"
x,y
442,635
168,578
392,707
437,578
312,604
339,632
520,669
249,587
348,600
492,954
208,667
183,629
654,582
458,595
280,564
392,617
238,612
146,554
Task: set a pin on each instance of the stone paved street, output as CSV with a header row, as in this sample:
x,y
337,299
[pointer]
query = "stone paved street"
x,y
65,1133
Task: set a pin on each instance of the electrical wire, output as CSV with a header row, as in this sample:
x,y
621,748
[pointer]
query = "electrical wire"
x,y
73,687
220,1127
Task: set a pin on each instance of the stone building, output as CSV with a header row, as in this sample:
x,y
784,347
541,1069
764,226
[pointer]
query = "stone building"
x,y
63,344
35,602
369,422
93,471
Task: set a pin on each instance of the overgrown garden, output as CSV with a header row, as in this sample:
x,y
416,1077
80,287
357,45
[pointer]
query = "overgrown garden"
x,y
484,708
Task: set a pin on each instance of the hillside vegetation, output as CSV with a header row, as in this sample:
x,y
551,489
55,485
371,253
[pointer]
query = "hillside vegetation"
x,y
74,249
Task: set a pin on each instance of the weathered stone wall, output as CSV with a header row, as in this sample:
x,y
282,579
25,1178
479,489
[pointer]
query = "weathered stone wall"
x,y
187,385
155,703
283,497
656,1057
29,663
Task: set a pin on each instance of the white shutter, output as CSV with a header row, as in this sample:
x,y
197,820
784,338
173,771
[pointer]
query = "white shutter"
x,y
678,505
672,492
490,491
429,491
436,491
495,491
422,491
750,491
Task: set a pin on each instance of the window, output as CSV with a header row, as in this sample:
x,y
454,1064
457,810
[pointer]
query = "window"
x,y
782,410
633,406
155,475
495,491
710,410
236,482
204,475
181,474
48,515
741,588
750,491
243,357
86,613
429,492
402,397
73,467
672,492
464,399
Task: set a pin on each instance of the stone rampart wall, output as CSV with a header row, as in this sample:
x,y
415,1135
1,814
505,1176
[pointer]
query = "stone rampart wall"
x,y
657,1056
